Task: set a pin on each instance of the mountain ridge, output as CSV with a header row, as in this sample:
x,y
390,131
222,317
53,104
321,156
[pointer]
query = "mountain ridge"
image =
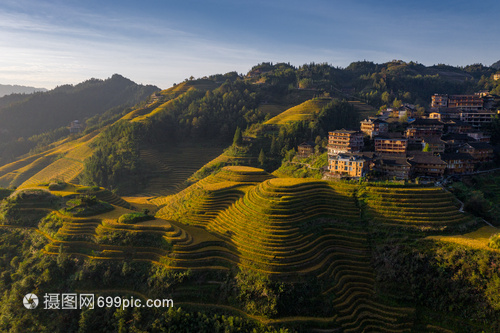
x,y
7,89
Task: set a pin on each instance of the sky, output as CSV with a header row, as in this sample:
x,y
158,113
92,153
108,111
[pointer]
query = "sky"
x,y
46,43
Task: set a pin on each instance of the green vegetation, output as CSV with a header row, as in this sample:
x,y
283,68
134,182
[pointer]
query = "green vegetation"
x,y
424,208
494,242
86,205
4,193
310,167
480,195
43,118
240,247
131,218
464,282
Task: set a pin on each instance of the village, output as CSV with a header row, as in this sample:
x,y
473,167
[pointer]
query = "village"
x,y
401,143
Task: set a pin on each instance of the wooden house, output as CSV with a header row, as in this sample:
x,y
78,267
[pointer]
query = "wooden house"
x,y
427,164
458,163
344,141
433,144
392,166
374,126
480,151
421,128
305,149
390,145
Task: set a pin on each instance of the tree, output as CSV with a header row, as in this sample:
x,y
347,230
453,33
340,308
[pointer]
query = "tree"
x,y
386,97
396,104
238,139
262,157
427,148
274,146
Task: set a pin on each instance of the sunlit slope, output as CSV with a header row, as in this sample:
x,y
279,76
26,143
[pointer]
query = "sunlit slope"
x,y
288,228
304,111
166,97
202,201
425,207
64,162
272,224
478,239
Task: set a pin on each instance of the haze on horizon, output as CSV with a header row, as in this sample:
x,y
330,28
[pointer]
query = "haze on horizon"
x,y
54,42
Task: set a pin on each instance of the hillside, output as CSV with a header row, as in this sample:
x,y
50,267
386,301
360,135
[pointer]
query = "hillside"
x,y
304,111
305,234
46,111
209,224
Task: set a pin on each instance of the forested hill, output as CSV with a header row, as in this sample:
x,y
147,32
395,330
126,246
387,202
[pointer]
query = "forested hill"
x,y
40,112
7,89
202,115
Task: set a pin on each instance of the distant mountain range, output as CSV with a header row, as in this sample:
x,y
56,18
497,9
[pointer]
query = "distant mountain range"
x,y
7,89
27,115
496,65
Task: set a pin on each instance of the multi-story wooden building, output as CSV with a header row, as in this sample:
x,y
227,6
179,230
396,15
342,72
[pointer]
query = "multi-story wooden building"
x,y
76,127
479,136
477,118
427,164
344,141
421,128
462,102
480,151
457,126
393,166
390,145
453,141
348,165
374,126
433,144
458,163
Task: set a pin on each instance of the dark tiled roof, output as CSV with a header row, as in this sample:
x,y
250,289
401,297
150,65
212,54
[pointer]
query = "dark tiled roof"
x,y
425,158
391,160
345,131
433,140
457,136
307,144
376,120
424,121
390,136
480,145
456,156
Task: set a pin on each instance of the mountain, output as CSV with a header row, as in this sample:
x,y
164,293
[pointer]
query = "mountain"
x,y
237,243
41,112
7,89
496,65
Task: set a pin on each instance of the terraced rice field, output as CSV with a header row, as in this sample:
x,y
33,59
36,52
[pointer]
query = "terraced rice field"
x,y
202,201
170,167
304,111
364,110
17,177
478,239
66,168
288,228
426,207
271,224
63,162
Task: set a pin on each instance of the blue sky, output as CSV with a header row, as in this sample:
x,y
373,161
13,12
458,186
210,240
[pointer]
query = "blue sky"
x,y
54,42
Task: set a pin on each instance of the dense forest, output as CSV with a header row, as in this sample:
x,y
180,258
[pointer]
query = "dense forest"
x,y
31,120
236,102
